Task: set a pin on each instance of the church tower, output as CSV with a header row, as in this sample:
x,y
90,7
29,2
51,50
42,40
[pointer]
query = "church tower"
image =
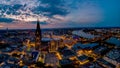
x,y
38,37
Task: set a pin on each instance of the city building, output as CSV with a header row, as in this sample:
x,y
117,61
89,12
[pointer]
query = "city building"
x,y
113,57
83,59
115,41
105,64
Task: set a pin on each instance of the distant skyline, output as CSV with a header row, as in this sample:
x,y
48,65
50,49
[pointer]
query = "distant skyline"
x,y
23,14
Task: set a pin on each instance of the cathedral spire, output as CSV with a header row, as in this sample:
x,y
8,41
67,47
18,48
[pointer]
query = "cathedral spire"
x,y
38,36
38,27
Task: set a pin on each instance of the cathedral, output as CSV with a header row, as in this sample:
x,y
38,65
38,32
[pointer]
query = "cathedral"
x,y
41,44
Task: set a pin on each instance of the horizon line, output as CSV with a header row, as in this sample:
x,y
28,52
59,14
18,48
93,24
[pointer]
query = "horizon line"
x,y
57,28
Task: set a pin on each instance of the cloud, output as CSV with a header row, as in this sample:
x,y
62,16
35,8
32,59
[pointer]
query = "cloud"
x,y
51,10
7,20
1,26
42,23
30,10
17,25
53,7
84,11
85,15
27,3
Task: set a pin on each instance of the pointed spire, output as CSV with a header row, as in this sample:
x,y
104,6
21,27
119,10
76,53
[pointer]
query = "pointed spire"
x,y
38,27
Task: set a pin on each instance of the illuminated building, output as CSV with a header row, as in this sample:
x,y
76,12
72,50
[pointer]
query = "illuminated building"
x,y
61,44
83,59
38,36
52,47
51,59
54,42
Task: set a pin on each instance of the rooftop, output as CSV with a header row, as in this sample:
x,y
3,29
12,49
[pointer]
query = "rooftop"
x,y
114,40
49,39
101,50
80,45
65,61
106,63
114,55
85,35
83,57
67,53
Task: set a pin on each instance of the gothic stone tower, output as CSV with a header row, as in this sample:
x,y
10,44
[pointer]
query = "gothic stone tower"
x,y
38,37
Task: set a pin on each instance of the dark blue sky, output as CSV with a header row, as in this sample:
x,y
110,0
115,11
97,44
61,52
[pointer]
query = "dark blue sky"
x,y
111,11
59,13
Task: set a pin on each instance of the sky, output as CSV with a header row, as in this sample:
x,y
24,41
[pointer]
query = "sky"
x,y
23,14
